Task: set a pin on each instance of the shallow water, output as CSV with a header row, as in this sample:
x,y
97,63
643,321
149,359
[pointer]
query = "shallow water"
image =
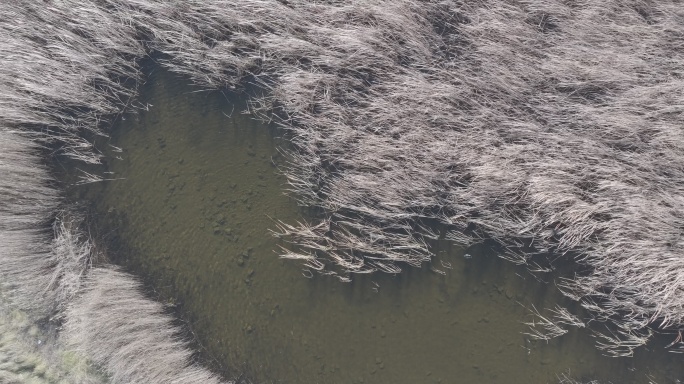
x,y
199,190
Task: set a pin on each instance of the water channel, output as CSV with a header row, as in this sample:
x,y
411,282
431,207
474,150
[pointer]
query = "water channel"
x,y
196,187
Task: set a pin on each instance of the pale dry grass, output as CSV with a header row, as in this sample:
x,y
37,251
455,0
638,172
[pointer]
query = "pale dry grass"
x,y
549,126
127,334
66,67
27,204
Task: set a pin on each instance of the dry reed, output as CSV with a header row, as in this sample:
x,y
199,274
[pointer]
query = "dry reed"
x,y
65,67
127,334
549,126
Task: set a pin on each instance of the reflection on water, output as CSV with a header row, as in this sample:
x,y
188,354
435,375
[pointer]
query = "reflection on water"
x,y
191,215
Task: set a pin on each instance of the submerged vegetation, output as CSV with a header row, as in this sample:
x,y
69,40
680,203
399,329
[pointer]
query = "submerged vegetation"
x,y
550,127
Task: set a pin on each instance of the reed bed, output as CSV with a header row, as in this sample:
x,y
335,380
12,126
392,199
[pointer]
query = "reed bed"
x,y
28,204
66,67
548,127
133,340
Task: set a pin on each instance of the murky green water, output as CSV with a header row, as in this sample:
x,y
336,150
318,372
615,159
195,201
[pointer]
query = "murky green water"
x,y
191,215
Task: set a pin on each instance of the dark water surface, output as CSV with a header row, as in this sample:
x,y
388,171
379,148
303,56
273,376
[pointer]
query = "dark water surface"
x,y
191,216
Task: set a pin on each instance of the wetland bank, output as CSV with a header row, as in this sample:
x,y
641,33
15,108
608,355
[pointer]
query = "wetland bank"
x,y
549,128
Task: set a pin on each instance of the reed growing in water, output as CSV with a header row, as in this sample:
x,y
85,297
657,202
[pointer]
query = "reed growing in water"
x,y
549,127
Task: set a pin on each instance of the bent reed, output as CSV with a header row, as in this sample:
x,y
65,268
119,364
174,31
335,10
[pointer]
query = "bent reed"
x,y
62,71
549,127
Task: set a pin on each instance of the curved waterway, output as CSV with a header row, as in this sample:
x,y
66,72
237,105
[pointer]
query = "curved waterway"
x,y
196,188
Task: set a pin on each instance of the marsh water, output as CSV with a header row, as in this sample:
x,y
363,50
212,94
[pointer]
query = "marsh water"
x,y
195,189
